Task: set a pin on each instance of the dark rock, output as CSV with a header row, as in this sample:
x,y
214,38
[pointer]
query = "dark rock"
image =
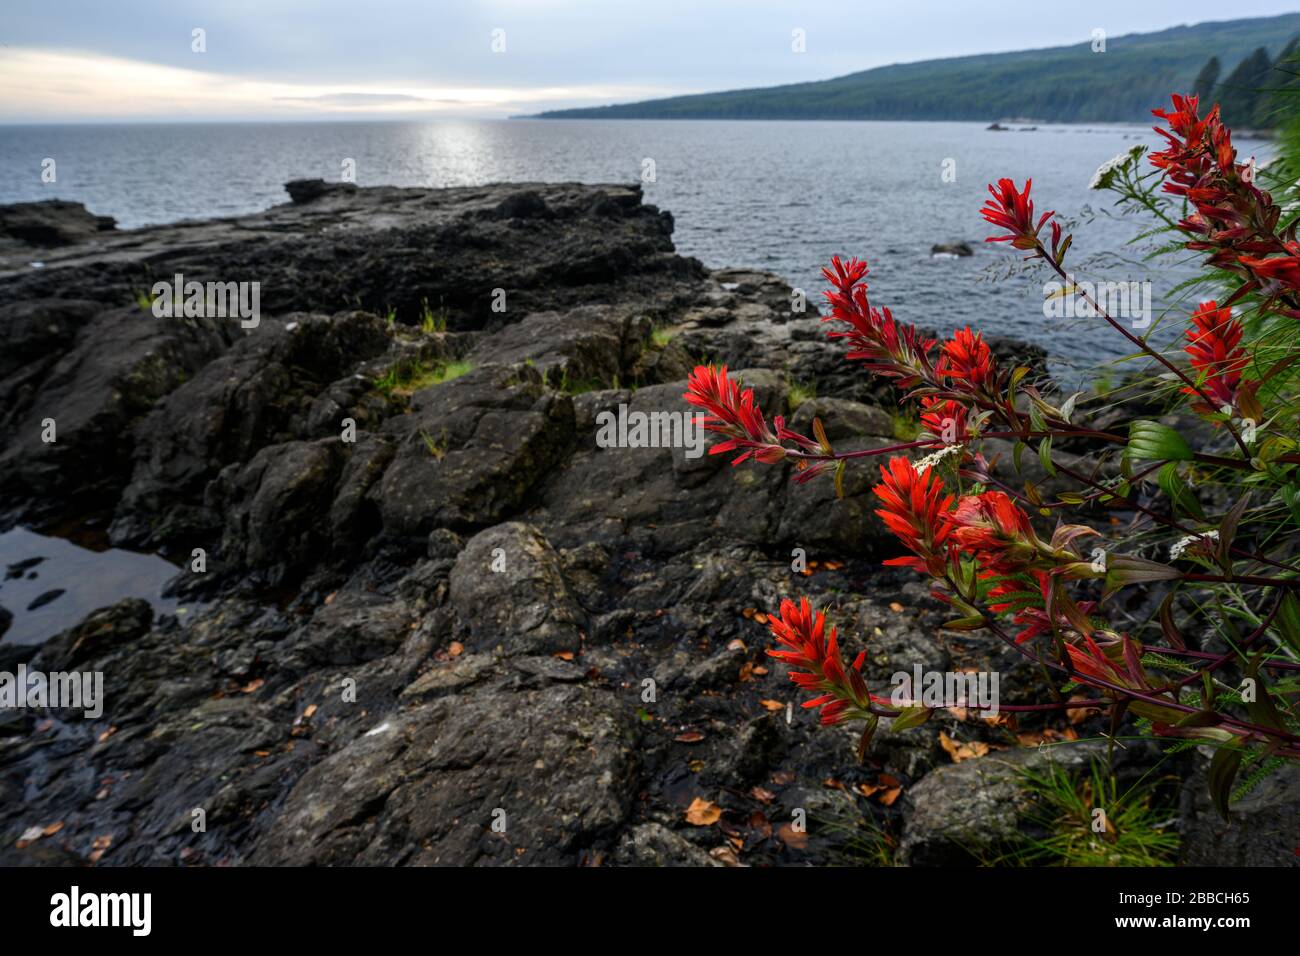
x,y
19,568
553,768
509,587
653,844
101,632
45,598
353,681
961,810
960,249
51,222
1264,829
309,190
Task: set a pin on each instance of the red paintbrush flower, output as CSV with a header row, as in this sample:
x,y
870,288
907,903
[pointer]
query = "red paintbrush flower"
x,y
1234,220
993,527
1013,211
1090,661
1193,142
944,418
917,511
734,414
816,664
1119,664
1215,350
888,347
1030,605
968,358
1284,270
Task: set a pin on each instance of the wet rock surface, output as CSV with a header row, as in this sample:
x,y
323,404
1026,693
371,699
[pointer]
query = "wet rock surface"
x,y
439,623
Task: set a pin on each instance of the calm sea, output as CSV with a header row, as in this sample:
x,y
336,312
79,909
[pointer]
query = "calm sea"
x,y
781,196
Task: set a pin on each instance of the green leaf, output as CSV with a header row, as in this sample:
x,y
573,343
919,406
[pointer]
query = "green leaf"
x,y
1228,528
1223,770
1045,456
1178,491
910,717
864,742
1262,709
1152,441
1167,626
1287,621
1124,569
1291,498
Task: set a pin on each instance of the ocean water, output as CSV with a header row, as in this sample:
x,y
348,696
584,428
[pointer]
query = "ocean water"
x,y
780,196
49,584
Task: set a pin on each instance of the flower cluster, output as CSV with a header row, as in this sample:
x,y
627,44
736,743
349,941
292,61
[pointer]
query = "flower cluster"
x,y
979,545
1013,210
887,347
1234,220
816,664
1215,350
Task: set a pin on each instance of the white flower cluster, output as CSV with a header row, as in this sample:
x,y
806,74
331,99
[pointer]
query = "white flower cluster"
x,y
934,458
1101,179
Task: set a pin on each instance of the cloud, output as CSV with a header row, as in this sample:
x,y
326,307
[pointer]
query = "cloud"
x,y
41,85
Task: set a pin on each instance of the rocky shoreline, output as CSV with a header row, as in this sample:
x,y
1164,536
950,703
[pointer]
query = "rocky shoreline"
x,y
357,682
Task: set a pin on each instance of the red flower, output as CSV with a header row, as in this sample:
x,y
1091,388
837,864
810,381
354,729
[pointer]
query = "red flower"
x,y
1193,143
967,357
916,510
1234,220
1030,606
816,663
888,347
993,527
734,414
944,418
1281,269
1014,211
1090,661
1215,350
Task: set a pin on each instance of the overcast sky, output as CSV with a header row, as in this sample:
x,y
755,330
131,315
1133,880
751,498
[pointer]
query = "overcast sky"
x,y
76,60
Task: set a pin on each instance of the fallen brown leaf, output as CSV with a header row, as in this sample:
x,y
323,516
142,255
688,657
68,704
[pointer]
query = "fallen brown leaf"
x,y
726,855
703,813
773,705
959,752
795,839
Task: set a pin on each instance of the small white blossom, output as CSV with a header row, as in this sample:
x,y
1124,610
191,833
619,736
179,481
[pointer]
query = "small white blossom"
x,y
1101,179
934,458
